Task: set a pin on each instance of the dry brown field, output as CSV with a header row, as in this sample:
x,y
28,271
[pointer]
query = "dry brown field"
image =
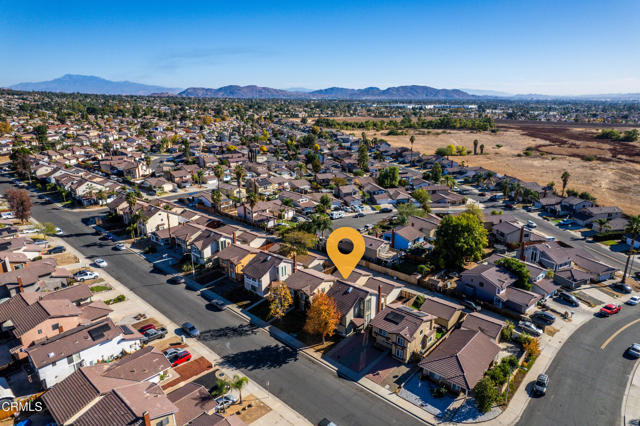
x,y
613,176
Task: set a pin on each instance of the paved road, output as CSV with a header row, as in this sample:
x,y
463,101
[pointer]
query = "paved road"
x,y
587,383
312,390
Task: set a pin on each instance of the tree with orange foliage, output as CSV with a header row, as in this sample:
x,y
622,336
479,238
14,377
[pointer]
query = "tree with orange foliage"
x,y
279,299
323,316
532,346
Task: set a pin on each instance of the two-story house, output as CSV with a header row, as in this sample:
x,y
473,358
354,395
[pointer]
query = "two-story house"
x,y
265,268
357,306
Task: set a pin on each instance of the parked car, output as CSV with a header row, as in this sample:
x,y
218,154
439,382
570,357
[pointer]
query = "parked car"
x,y
85,275
529,328
470,305
326,422
610,309
6,394
147,327
531,224
101,263
59,231
179,358
569,298
386,210
56,250
509,206
622,288
224,402
482,194
219,304
565,222
634,350
634,300
119,246
171,352
154,334
543,317
359,214
177,280
40,242
336,214
7,215
190,329
29,231
540,386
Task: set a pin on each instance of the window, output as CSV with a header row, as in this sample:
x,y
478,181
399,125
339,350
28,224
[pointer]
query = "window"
x,y
39,331
399,353
382,332
70,359
400,341
163,422
55,326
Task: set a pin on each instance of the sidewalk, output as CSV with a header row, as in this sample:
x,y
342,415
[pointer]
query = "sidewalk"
x,y
631,402
280,413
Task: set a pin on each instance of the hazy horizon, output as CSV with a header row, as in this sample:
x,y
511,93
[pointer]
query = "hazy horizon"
x,y
551,48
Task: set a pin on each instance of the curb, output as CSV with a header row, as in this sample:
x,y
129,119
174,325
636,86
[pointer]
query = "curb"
x,y
625,399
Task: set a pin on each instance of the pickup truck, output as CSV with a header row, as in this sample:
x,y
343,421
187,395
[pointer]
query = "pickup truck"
x,y
154,334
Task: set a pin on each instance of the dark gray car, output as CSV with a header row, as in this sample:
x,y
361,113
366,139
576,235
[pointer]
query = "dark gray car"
x,y
540,386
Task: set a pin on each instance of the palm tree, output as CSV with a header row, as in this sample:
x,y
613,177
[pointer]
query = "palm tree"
x,y
216,198
481,149
412,139
475,147
449,181
633,228
252,200
200,175
565,179
301,168
322,223
218,170
603,224
517,190
239,172
102,196
237,383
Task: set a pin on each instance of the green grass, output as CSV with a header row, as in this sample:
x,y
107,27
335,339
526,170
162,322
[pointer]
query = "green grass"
x,y
439,334
610,242
117,299
376,207
99,288
556,220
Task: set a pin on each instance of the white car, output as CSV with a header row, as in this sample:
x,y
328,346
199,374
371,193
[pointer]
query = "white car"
x,y
101,263
120,246
7,215
528,327
59,231
29,231
634,350
634,300
224,402
85,275
531,224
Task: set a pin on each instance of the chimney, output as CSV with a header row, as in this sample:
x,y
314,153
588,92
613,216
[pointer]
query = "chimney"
x,y
234,237
7,265
20,285
169,224
60,329
147,420
393,237
255,186
295,265
379,299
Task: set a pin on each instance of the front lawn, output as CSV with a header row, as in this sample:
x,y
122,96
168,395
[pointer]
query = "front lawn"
x,y
241,296
261,310
610,242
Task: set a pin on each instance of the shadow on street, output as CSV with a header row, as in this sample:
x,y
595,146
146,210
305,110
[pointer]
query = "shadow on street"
x,y
272,356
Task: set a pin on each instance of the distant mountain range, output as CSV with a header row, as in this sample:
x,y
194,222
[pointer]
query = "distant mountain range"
x,y
370,93
71,83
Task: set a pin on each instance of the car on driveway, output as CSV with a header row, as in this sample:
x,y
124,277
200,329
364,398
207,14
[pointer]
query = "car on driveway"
x,y
147,327
470,305
634,350
622,288
219,304
101,263
225,402
177,280
529,328
610,309
190,329
359,214
569,298
179,358
543,317
633,300
85,275
57,249
154,334
59,231
540,386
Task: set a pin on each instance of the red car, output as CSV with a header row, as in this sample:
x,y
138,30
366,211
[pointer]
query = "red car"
x,y
482,194
179,358
146,328
610,309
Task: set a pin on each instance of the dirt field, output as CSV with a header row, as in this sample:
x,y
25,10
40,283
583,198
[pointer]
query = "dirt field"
x,y
613,175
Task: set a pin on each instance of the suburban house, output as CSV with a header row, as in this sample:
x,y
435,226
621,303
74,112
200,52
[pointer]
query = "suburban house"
x,y
405,332
306,283
357,306
234,258
263,269
378,250
588,215
574,204
491,327
56,358
404,237
192,401
387,290
446,313
207,243
558,257
461,360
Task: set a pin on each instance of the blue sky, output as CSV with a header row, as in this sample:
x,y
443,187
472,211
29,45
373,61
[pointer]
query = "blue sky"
x,y
555,47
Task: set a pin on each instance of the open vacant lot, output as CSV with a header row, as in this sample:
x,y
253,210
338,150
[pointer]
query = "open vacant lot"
x,y
609,170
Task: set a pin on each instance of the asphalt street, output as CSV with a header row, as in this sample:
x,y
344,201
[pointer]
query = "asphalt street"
x,y
306,386
587,383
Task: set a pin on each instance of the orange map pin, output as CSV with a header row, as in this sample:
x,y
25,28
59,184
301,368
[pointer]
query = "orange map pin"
x,y
345,262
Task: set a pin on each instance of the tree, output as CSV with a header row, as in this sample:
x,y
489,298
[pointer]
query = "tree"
x,y
323,316
132,200
632,228
252,200
475,147
20,161
532,346
481,149
5,127
239,172
297,241
519,269
363,157
316,166
603,224
325,202
239,382
475,210
507,331
389,177
486,394
460,239
102,196
412,140
48,228
449,181
565,179
279,299
423,198
321,223
405,210
436,173
19,203
216,198
218,170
